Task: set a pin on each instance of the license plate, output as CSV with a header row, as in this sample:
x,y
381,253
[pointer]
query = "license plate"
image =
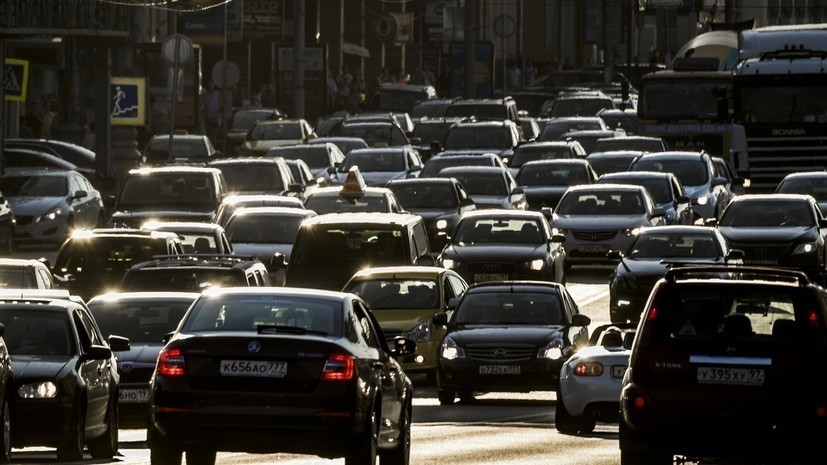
x,y
263,369
593,248
481,277
499,369
736,376
618,371
133,396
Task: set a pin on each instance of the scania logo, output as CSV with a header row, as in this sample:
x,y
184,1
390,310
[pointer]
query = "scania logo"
x,y
126,367
254,347
490,267
789,132
500,353
761,251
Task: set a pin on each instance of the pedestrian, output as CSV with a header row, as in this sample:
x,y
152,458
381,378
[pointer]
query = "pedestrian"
x,y
355,98
210,110
34,118
49,118
343,83
23,130
332,93
515,76
530,74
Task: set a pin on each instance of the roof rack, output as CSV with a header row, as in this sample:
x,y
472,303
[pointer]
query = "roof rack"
x,y
737,273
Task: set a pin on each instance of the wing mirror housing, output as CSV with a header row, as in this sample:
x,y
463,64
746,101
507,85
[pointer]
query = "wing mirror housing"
x,y
440,319
425,260
628,340
580,320
96,352
735,255
119,343
658,212
402,346
614,255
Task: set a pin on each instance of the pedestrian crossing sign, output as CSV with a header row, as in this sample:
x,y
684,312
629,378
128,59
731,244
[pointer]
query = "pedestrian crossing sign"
x,y
15,79
127,101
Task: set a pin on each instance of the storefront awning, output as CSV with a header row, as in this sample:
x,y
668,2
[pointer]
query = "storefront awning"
x,y
353,49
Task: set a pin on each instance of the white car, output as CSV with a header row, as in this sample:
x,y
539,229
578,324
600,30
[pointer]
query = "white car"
x,y
591,380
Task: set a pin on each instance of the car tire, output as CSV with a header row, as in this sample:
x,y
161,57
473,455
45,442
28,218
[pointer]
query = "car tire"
x,y
401,454
638,449
466,396
5,450
72,448
365,446
445,396
201,456
106,445
567,423
162,451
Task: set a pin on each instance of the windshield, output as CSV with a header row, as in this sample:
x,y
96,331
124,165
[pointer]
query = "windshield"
x,y
17,277
496,230
510,308
817,187
491,111
34,186
428,133
315,156
675,246
406,294
374,161
289,130
263,229
247,312
610,163
326,203
339,246
481,183
37,332
601,203
688,172
768,213
479,138
547,175
527,153
252,177
659,189
167,190
579,107
142,321
431,110
681,98
375,133
440,195
793,104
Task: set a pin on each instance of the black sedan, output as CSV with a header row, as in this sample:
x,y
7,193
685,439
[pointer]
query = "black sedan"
x,y
280,370
509,336
439,201
809,183
545,181
650,256
500,245
779,230
65,377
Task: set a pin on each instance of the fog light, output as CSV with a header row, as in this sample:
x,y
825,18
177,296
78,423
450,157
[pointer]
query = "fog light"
x,y
419,359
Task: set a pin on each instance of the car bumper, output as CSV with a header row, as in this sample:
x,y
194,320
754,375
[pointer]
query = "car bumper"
x,y
534,375
29,427
44,231
592,396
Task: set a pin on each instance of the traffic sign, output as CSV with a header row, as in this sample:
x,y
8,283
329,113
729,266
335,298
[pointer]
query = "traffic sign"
x,y
176,43
225,69
15,80
127,101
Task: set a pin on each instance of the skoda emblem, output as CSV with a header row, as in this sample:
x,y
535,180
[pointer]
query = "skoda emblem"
x,y
254,347
126,367
761,251
500,353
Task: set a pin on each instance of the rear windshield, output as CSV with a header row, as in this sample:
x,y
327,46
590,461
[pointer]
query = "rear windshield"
x,y
182,280
100,254
374,161
526,154
173,190
346,246
510,308
400,294
688,172
481,183
17,277
142,321
729,313
547,175
252,177
315,157
817,187
263,229
324,203
248,312
472,137
421,195
610,163
435,165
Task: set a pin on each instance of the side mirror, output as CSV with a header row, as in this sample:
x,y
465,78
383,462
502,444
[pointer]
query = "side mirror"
x,y
332,169
547,212
628,340
402,346
278,261
579,319
466,202
96,352
45,261
118,343
558,239
735,255
167,337
720,181
416,141
658,212
614,255
453,302
440,319
80,194
683,199
425,260
295,188
518,191
711,222
415,168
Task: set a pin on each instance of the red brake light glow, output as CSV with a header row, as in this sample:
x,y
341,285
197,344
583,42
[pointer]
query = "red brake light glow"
x,y
171,363
588,369
339,367
653,314
812,318
639,402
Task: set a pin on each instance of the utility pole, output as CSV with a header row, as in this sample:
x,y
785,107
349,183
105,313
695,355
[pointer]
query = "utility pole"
x,y
298,57
470,46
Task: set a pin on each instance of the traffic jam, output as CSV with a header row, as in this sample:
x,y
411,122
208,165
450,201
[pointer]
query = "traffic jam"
x,y
298,292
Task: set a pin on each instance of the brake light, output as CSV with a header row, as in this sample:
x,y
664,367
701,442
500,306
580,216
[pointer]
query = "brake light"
x,y
639,402
821,411
812,318
653,314
339,367
171,363
588,369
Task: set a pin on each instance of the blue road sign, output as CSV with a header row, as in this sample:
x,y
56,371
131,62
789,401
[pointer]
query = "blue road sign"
x,y
127,101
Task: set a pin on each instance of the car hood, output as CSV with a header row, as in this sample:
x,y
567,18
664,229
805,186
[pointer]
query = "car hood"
x,y
34,206
654,267
488,200
693,192
495,252
263,145
263,252
403,320
37,367
768,233
140,353
504,334
598,222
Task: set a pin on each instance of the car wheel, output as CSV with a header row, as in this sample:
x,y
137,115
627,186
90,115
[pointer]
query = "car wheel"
x,y
445,396
72,449
5,451
637,449
201,456
564,421
365,448
401,454
466,396
106,445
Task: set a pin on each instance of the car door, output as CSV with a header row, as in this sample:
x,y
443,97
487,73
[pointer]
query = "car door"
x,y
683,210
80,205
96,374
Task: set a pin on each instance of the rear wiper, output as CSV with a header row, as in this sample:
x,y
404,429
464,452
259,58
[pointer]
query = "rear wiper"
x,y
275,329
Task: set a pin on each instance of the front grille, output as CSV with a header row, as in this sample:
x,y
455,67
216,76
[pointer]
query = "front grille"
x,y
136,374
501,352
23,220
499,268
594,235
772,158
763,251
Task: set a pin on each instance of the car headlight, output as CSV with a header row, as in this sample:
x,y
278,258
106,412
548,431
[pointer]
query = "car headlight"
x,y
588,369
536,265
631,232
558,231
451,350
50,215
552,351
805,248
449,264
702,200
441,224
44,390
421,332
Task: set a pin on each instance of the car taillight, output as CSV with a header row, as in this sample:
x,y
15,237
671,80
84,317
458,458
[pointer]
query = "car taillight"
x,y
653,314
171,363
339,367
588,369
812,318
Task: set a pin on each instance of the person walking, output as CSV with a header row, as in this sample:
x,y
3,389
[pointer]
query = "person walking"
x,y
530,73
210,109
343,83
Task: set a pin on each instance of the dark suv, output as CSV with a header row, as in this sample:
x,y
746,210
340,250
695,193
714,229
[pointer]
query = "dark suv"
x,y
729,363
195,273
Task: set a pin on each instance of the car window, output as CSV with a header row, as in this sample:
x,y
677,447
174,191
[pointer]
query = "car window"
x,y
519,308
350,245
459,286
34,186
387,294
142,321
499,230
37,332
761,214
367,331
689,172
553,175
263,229
673,245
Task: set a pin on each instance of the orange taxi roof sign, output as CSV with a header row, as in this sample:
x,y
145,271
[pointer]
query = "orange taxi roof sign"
x,y
354,185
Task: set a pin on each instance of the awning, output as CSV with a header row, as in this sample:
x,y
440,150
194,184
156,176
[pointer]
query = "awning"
x,y
353,49
722,45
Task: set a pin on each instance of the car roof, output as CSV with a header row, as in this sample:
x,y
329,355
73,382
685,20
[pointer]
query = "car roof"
x,y
199,137
122,232
182,225
335,190
401,271
676,229
143,296
30,171
807,174
276,291
616,153
502,213
471,153
590,133
21,262
196,261
510,286
674,155
60,297
558,161
396,219
638,175
398,182
632,138
548,143
766,197
235,198
280,211
483,123
174,169
471,169
606,187
246,161
377,150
